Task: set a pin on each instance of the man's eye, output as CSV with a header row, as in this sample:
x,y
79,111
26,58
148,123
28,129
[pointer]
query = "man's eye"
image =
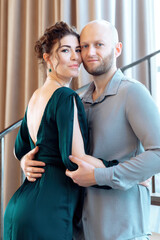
x,y
84,46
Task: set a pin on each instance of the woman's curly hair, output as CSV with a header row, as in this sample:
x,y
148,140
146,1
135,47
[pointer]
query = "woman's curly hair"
x,y
51,36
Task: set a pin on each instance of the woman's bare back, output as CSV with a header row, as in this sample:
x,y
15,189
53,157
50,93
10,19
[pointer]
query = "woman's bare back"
x,y
36,108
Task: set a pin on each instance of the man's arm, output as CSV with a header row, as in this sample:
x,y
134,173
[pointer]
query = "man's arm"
x,y
32,169
144,119
85,174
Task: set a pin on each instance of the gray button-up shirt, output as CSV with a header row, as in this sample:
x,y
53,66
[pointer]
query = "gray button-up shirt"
x,y
124,124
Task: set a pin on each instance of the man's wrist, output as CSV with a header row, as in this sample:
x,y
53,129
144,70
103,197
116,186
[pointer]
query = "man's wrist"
x,y
103,176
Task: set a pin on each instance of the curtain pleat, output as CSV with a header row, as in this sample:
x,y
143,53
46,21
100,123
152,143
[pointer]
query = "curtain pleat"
x,y
22,22
31,66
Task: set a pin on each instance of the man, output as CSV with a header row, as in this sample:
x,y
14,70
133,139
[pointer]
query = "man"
x,y
124,125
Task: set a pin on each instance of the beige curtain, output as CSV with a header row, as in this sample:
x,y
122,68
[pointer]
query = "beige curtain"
x,y
136,30
23,21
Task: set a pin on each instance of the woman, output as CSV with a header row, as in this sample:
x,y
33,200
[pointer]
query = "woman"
x,y
48,209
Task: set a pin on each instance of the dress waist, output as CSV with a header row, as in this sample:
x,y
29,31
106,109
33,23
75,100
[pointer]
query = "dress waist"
x,y
53,161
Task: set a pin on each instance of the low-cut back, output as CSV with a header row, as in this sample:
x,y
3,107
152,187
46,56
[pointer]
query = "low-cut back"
x,y
40,120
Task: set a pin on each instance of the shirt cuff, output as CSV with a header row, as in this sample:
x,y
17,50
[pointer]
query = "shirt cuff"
x,y
103,176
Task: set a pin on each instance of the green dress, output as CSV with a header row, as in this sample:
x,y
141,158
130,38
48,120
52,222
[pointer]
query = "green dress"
x,y
50,207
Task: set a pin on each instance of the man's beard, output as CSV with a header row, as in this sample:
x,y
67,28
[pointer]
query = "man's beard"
x,y
104,67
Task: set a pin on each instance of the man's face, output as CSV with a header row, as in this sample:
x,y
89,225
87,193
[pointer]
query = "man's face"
x,y
97,49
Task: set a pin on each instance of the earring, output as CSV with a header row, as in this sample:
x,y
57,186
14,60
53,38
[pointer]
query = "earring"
x,y
50,70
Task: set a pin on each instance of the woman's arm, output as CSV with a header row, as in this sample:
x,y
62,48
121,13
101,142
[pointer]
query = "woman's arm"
x,y
78,144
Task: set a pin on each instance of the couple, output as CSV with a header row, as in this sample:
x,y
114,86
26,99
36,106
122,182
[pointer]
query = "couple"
x,y
122,123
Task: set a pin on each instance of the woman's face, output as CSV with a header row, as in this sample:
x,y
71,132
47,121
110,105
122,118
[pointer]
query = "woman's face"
x,y
66,57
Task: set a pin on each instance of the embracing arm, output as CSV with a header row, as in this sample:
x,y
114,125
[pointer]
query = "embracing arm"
x,y
144,119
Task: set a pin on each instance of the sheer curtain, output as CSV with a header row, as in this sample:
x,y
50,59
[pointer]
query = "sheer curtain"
x,y
135,24
23,21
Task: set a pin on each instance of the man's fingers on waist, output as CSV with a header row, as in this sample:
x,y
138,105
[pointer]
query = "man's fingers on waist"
x,y
34,170
33,175
36,163
31,179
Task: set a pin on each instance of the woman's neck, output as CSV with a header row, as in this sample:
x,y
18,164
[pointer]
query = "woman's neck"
x,y
59,81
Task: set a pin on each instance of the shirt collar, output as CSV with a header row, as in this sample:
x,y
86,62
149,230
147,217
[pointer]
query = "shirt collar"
x,y
111,88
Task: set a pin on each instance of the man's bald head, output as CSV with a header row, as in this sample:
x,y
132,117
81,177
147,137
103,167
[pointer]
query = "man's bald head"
x,y
102,26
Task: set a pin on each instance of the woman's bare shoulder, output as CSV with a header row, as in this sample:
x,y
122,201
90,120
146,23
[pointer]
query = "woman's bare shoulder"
x,y
34,98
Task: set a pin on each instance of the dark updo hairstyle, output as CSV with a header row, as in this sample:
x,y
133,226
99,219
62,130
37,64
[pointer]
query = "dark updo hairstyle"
x,y
51,36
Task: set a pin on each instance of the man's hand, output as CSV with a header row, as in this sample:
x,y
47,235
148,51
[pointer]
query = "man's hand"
x,y
32,169
84,175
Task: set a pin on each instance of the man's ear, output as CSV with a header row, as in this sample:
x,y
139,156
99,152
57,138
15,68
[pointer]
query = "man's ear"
x,y
118,49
